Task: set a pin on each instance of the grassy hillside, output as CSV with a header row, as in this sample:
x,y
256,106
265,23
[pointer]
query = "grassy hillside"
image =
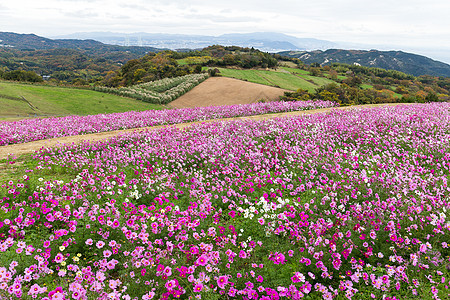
x,y
48,100
285,78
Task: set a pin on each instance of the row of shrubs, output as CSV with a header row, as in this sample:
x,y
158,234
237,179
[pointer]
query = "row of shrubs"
x,y
160,91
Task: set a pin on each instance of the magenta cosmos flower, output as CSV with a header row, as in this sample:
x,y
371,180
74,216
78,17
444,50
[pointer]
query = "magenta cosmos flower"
x,y
222,281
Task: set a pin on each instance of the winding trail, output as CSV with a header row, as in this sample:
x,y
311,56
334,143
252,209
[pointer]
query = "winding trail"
x,y
23,148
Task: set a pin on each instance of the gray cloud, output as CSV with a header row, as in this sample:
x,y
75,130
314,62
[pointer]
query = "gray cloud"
x,y
81,14
4,10
134,6
222,18
400,22
71,1
119,17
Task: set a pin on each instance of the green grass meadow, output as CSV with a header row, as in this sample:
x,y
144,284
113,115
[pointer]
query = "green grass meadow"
x,y
284,80
60,101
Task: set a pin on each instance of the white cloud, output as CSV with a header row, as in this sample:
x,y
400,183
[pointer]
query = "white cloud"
x,y
401,22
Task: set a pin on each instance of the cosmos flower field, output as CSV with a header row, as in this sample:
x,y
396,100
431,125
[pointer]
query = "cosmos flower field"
x,y
352,204
29,130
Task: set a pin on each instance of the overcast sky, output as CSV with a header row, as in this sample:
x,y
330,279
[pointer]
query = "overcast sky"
x,y
406,23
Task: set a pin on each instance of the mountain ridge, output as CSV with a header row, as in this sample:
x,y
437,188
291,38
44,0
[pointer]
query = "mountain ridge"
x,y
405,62
265,41
34,42
395,60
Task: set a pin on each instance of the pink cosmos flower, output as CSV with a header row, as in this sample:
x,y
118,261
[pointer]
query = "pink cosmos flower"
x,y
423,248
100,244
100,276
160,268
222,281
198,287
279,259
168,271
336,263
56,294
202,260
170,285
59,258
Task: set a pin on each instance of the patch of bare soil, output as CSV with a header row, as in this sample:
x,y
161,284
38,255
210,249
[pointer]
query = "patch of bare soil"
x,y
19,149
226,91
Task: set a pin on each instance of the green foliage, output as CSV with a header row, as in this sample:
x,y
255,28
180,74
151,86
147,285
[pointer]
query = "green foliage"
x,y
63,65
194,60
222,56
431,97
354,84
343,94
149,68
299,95
379,72
314,71
20,75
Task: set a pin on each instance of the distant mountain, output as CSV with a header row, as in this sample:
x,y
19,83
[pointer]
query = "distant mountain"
x,y
264,41
64,60
89,46
137,44
391,60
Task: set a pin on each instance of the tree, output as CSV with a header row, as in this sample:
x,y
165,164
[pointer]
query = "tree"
x,y
111,79
314,71
431,97
328,96
20,75
333,75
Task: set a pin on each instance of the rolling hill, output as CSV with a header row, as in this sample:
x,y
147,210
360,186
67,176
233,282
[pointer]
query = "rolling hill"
x,y
18,100
88,46
390,60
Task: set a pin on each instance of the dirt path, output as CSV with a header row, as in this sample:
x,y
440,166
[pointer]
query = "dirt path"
x,y
226,91
23,148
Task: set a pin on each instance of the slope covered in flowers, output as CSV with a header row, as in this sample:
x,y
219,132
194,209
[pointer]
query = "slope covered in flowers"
x,y
38,129
349,204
